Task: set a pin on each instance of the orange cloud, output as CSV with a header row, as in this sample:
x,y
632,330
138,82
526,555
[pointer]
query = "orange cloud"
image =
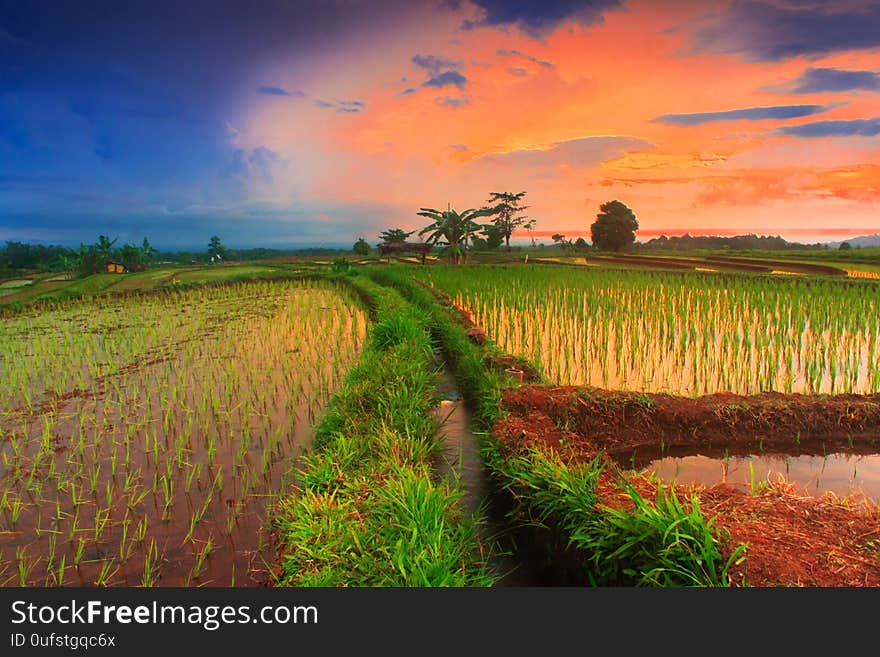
x,y
543,130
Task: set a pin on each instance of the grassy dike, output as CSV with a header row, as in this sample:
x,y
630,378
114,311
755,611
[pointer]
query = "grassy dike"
x,y
367,509
659,542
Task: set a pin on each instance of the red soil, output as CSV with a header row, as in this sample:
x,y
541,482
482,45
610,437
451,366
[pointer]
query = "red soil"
x,y
791,540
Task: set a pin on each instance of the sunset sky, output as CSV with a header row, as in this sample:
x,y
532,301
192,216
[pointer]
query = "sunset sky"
x,y
277,122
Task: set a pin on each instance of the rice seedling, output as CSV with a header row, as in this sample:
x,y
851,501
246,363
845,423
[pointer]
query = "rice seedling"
x,y
687,334
165,393
80,549
201,556
150,561
25,565
648,542
105,576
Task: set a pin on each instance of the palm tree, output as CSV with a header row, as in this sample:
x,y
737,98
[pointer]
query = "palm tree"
x,y
104,247
452,229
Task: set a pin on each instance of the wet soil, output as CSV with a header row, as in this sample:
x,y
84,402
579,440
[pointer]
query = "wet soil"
x,y
619,422
792,539
218,427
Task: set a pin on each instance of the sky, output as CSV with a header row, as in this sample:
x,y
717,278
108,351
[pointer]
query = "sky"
x,y
281,122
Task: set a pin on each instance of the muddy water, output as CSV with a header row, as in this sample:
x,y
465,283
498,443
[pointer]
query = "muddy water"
x,y
840,474
460,461
160,470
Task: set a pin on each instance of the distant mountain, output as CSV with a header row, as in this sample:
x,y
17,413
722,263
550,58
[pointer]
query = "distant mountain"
x,y
861,240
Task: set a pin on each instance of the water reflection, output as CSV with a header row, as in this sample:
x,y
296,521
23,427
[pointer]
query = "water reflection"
x,y
841,474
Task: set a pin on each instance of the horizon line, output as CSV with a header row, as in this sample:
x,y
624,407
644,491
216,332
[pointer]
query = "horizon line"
x,y
717,232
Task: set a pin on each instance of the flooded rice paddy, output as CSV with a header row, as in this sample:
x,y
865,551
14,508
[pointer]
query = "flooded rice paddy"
x,y
690,335
143,439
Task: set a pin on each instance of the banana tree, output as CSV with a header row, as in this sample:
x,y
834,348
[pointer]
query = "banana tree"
x,y
452,229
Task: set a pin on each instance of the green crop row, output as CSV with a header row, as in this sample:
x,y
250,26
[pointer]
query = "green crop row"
x,y
677,333
367,509
657,542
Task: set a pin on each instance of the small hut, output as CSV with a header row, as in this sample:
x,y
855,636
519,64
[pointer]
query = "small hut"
x,y
421,248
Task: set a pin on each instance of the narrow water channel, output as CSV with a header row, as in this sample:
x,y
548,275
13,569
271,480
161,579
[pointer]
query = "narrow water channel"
x,y
460,461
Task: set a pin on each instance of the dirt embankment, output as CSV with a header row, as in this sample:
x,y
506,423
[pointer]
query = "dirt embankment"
x,y
623,421
787,265
791,540
724,263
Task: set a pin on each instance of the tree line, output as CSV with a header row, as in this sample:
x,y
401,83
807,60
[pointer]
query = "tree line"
x,y
17,257
614,229
458,233
20,257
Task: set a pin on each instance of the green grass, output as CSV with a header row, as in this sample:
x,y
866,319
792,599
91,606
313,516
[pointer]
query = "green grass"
x,y
659,542
368,509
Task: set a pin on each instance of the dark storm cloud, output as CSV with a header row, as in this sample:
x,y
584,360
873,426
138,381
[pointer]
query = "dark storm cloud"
x,y
747,114
768,31
539,18
853,128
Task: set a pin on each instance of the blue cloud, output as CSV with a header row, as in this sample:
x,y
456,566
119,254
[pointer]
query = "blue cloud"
x,y
517,71
747,114
278,91
447,79
517,53
539,18
434,64
817,80
342,106
764,31
452,101
408,91
853,128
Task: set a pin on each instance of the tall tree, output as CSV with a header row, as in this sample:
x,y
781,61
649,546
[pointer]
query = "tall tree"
x,y
216,248
494,238
562,241
394,235
104,248
529,225
361,247
614,227
147,251
506,209
452,229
